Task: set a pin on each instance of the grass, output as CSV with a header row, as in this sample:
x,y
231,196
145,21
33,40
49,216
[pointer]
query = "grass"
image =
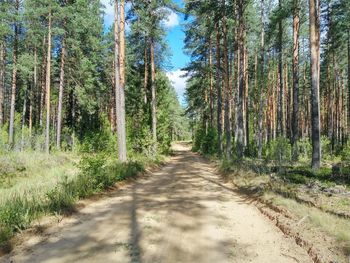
x,y
283,189
53,184
33,173
334,226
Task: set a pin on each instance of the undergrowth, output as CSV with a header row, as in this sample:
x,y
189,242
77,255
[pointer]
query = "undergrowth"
x,y
97,172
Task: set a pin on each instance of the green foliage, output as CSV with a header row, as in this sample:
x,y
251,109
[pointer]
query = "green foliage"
x,y
345,154
205,142
99,140
304,148
97,173
209,145
279,151
326,146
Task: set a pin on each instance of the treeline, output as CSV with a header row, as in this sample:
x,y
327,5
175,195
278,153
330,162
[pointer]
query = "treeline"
x,y
63,76
269,71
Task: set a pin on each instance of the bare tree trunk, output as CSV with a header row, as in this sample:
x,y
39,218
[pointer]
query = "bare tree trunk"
x,y
348,81
120,78
280,121
211,84
315,81
42,83
261,86
227,91
153,91
295,116
240,132
60,94
48,87
246,84
145,81
218,88
24,111
32,91
2,81
14,82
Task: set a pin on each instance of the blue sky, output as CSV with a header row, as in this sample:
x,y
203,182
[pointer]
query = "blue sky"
x,y
175,38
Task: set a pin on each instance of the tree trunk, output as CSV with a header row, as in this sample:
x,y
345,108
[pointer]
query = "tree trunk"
x,y
280,121
261,86
247,100
24,111
2,81
32,91
14,82
145,81
295,116
42,83
120,78
240,132
211,84
60,94
153,91
315,82
348,81
227,91
48,87
218,88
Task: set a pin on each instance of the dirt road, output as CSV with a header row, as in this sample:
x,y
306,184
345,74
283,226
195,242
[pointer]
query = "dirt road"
x,y
182,213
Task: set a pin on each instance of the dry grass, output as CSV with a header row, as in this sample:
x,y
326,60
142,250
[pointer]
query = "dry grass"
x,y
34,173
337,227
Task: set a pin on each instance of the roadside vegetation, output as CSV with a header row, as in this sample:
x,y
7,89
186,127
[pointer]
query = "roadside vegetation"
x,y
319,198
78,110
34,184
271,103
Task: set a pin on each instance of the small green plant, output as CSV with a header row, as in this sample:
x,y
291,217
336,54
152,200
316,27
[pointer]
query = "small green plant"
x,y
279,151
304,148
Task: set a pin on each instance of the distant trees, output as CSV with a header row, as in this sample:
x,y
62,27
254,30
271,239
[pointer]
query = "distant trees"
x,y
272,73
68,87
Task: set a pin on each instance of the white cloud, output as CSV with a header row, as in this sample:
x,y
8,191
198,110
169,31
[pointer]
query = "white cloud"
x,y
109,13
172,20
109,8
179,83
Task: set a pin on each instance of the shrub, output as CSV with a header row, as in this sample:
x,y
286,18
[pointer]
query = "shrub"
x,y
209,143
279,151
205,141
326,146
304,148
97,173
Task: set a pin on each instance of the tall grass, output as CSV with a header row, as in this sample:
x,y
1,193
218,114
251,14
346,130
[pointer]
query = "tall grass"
x,y
52,184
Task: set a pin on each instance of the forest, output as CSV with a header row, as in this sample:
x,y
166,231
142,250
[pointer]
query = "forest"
x,y
84,105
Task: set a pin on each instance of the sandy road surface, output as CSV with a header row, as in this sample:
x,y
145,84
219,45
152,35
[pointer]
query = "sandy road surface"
x,y
182,213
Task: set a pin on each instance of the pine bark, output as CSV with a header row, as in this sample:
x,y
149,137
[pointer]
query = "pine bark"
x,y
211,84
2,81
119,32
227,91
349,82
295,114
280,105
218,87
14,82
33,90
261,86
48,86
153,91
60,93
240,125
145,81
315,82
